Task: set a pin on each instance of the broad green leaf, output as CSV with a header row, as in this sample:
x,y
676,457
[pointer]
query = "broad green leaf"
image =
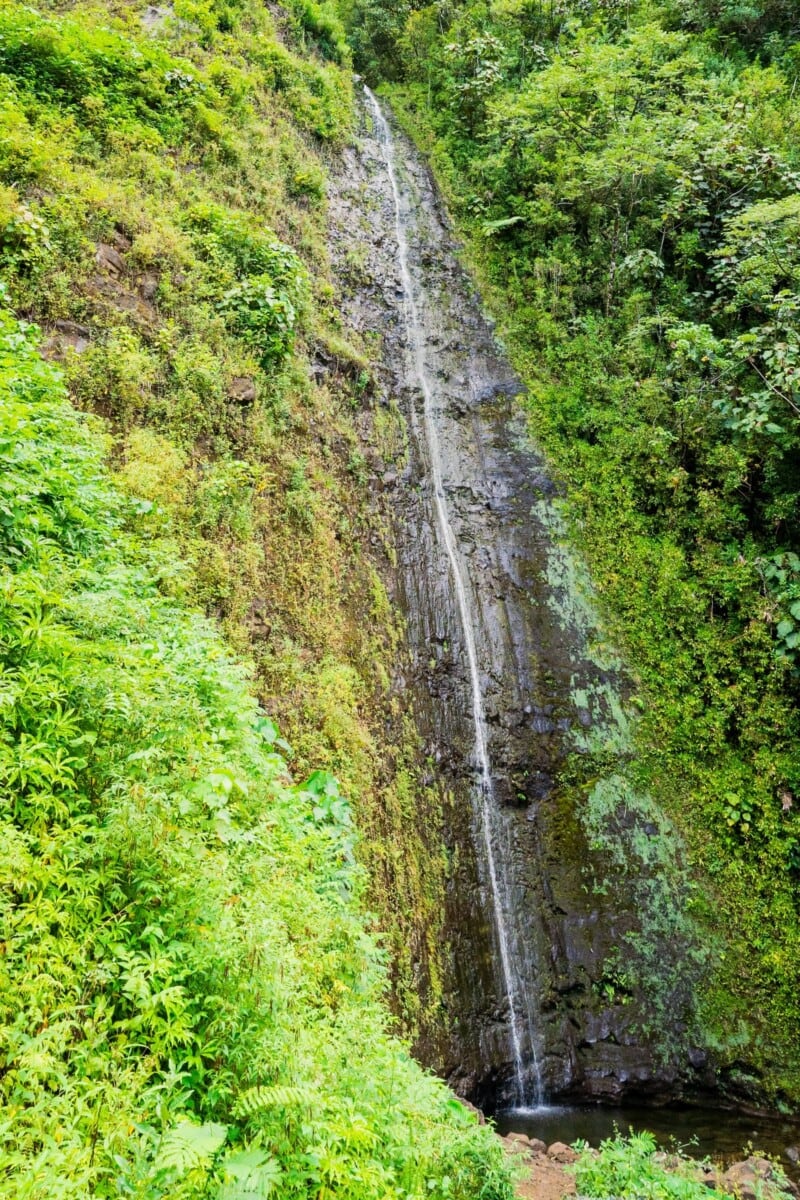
x,y
249,1175
187,1146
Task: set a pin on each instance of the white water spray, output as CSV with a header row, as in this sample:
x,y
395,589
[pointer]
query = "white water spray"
x,y
486,799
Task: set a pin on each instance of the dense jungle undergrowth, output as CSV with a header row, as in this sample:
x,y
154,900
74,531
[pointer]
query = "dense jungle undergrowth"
x,y
192,988
626,175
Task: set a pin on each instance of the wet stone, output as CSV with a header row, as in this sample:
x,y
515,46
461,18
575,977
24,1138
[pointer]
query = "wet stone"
x,y
148,287
561,1153
749,1180
109,259
242,390
532,655
73,335
154,16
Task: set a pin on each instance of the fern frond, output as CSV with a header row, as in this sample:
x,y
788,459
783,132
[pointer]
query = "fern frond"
x,y
187,1146
260,1099
249,1175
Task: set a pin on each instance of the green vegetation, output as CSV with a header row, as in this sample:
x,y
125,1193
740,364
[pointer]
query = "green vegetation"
x,y
193,992
630,1167
190,998
626,1167
627,178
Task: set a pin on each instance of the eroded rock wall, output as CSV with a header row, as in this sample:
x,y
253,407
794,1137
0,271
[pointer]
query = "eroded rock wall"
x,y
551,689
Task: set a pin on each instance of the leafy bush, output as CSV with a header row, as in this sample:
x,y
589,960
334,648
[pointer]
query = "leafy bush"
x,y
24,236
101,76
250,250
322,22
782,582
271,291
313,92
262,317
625,1168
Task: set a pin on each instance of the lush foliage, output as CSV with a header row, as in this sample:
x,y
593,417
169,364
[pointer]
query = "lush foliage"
x,y
630,1167
190,1001
191,994
163,218
628,178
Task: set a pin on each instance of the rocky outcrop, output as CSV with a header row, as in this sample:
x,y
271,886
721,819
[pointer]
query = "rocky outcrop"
x,y
550,688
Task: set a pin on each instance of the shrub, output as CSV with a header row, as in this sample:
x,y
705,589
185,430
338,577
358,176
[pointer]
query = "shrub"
x,y
262,317
625,1168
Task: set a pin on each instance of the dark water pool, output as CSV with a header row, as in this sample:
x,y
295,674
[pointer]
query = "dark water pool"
x,y
724,1137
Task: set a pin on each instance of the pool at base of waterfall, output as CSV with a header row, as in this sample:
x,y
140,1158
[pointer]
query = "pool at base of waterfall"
x,y
724,1137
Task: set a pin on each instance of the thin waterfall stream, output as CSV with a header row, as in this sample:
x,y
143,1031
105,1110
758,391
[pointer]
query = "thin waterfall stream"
x,y
503,668
486,802
540,895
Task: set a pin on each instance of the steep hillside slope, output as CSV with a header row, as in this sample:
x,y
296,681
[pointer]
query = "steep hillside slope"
x,y
192,992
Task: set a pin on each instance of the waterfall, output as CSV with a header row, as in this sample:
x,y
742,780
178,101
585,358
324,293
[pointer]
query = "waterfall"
x,y
521,1011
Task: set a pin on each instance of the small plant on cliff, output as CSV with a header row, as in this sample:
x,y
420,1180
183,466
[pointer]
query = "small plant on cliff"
x,y
262,317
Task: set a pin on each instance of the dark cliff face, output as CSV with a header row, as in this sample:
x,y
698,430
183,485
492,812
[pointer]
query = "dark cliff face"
x,y
549,689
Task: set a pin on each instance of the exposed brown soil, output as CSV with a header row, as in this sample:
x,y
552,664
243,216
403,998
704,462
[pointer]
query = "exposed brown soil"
x,y
542,1177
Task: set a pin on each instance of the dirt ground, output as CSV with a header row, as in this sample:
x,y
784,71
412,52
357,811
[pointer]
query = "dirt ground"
x,y
542,1176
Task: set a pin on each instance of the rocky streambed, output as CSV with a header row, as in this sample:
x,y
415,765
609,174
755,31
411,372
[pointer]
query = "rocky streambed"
x,y
538,991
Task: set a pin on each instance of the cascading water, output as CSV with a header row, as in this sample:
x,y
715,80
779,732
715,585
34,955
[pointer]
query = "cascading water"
x,y
528,1079
505,674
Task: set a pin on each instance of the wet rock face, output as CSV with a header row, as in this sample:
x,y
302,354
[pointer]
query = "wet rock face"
x,y
543,685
